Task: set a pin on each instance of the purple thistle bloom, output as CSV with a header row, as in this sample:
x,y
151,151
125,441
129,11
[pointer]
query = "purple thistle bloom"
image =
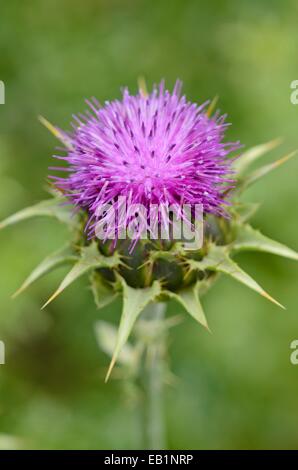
x,y
155,149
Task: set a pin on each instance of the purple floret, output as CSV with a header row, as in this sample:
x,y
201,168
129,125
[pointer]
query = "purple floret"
x,y
153,149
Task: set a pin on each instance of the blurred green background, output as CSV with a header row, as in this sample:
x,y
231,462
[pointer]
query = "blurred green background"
x,y
236,387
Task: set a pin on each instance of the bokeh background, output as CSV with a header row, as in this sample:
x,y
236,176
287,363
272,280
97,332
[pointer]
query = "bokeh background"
x,y
236,387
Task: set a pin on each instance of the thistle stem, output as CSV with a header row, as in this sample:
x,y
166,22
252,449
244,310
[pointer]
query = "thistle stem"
x,y
154,370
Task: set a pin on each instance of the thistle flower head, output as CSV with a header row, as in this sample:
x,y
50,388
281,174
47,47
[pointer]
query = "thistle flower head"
x,y
152,149
157,149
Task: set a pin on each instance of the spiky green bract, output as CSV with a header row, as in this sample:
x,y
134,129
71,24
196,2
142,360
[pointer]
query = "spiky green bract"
x,y
159,271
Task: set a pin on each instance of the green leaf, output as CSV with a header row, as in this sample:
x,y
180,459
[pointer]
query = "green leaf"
x,y
50,208
103,293
61,257
207,283
56,132
253,154
249,239
176,251
189,299
264,170
90,258
134,302
106,335
212,106
218,260
142,86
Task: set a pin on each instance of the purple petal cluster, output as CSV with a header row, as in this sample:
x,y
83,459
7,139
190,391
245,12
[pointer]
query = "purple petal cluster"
x,y
152,149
